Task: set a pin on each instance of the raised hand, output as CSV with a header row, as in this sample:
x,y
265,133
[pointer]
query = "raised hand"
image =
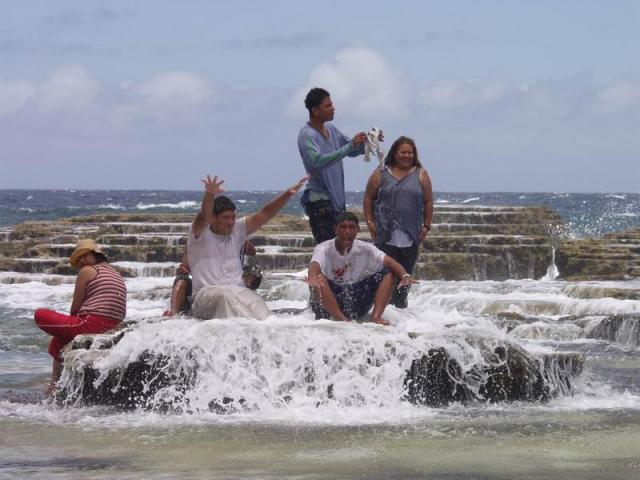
x,y
295,188
212,186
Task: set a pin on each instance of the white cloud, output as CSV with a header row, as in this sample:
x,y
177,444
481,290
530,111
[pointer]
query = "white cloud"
x,y
177,90
361,82
620,96
468,93
68,88
14,95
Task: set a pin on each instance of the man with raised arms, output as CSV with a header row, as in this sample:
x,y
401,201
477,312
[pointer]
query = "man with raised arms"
x,y
214,242
347,276
322,147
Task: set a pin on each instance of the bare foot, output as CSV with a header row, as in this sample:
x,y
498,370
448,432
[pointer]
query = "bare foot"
x,y
167,313
380,321
49,390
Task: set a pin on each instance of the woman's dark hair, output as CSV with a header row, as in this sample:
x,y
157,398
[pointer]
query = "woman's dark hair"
x,y
222,203
390,159
315,97
100,257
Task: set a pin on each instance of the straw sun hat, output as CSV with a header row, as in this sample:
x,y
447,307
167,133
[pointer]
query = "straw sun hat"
x,y
85,245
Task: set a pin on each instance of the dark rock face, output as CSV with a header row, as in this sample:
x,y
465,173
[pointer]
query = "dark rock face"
x,y
623,329
436,380
508,373
134,386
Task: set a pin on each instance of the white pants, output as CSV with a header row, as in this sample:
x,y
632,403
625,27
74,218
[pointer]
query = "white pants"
x,y
232,301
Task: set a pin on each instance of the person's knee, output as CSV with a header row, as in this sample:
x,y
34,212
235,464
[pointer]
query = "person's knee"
x,y
388,278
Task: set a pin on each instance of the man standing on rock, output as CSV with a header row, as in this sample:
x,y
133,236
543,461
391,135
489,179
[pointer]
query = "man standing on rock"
x,y
322,148
347,276
214,242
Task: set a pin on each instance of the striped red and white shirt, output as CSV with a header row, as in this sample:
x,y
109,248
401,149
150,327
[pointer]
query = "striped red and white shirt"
x,y
106,295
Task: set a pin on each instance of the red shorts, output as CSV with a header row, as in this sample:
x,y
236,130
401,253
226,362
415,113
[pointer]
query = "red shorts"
x,y
65,327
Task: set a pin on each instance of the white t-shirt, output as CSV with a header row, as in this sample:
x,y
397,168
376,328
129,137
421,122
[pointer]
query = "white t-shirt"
x,y
215,259
363,260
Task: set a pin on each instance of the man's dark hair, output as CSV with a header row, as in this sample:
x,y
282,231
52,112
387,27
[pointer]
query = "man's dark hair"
x,y
222,203
347,216
315,97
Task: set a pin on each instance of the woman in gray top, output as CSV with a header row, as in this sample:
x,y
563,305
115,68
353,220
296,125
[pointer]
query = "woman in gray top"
x,y
398,207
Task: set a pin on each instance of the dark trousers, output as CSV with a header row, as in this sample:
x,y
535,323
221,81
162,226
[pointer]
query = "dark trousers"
x,y
354,299
322,218
406,257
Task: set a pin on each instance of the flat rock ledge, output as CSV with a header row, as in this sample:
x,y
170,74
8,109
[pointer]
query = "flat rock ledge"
x,y
465,243
507,373
615,256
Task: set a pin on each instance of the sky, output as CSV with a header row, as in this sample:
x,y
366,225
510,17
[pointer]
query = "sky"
x,y
154,94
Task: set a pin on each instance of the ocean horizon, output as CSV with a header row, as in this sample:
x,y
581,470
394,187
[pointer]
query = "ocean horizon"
x,y
585,214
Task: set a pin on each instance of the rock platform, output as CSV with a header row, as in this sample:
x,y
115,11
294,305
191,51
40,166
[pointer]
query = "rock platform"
x,y
465,243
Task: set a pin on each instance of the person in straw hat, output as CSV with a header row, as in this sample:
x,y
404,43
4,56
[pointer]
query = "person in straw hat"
x,y
99,303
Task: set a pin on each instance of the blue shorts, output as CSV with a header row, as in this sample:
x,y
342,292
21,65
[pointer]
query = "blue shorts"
x,y
354,299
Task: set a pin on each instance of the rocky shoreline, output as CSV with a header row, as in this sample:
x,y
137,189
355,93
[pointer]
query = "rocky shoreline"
x,y
465,243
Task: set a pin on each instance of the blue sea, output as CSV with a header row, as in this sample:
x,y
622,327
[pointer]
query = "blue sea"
x,y
586,214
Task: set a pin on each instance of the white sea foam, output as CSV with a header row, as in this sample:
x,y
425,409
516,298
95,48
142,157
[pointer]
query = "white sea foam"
x,y
111,206
365,363
185,204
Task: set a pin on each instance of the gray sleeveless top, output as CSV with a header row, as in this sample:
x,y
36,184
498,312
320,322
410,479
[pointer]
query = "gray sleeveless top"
x,y
399,205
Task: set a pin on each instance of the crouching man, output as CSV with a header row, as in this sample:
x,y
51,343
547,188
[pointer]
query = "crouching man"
x,y
347,276
214,242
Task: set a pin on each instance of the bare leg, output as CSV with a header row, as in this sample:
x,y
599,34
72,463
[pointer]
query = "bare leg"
x,y
56,370
329,302
380,301
178,296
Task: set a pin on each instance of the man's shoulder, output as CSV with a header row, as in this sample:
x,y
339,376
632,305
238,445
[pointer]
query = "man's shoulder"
x,y
362,245
307,130
240,227
324,246
331,126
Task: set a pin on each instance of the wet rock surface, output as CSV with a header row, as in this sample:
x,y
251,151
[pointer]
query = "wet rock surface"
x,y
509,374
465,243
615,256
158,382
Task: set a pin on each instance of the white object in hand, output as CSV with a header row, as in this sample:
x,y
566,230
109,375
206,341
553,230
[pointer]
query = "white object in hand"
x,y
372,146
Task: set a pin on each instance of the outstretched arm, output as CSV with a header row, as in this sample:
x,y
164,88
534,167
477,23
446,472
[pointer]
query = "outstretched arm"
x,y
266,213
399,271
350,147
212,187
